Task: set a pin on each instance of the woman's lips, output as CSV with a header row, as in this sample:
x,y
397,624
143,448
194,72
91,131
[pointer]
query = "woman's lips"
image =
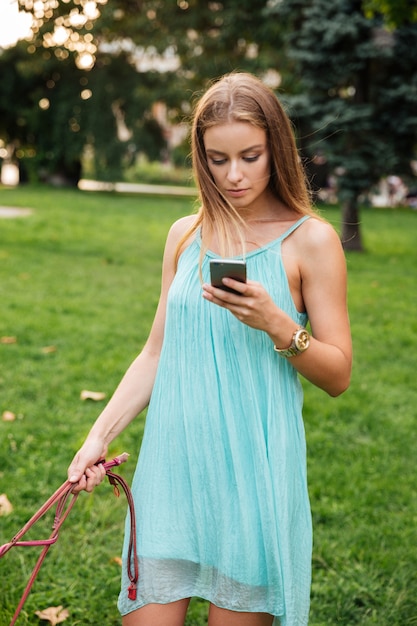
x,y
236,193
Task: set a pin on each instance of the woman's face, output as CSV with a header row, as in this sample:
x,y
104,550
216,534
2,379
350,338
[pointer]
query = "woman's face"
x,y
239,161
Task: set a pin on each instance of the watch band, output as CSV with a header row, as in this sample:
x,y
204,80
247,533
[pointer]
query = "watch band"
x,y
300,342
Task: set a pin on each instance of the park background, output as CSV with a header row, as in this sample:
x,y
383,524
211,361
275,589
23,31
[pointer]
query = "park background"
x,y
103,92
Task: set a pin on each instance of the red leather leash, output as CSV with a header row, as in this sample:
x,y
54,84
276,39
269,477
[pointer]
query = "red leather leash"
x,y
61,497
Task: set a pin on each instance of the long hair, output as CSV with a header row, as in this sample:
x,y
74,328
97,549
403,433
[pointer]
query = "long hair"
x,y
241,97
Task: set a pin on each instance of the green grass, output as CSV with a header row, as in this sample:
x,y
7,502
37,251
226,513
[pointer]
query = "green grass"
x,y
82,274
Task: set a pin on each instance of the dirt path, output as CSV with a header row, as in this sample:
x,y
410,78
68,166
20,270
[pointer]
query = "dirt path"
x,y
12,211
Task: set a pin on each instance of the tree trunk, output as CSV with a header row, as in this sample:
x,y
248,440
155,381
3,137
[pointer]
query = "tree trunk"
x,y
351,234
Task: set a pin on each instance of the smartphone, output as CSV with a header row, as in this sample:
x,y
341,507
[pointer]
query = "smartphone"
x,y
227,268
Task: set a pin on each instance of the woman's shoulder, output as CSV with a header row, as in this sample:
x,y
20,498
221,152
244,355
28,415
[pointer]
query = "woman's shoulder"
x,y
317,232
180,235
317,245
182,225
314,241
178,232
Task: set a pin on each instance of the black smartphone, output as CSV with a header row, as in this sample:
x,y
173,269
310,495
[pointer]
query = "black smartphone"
x,y
227,268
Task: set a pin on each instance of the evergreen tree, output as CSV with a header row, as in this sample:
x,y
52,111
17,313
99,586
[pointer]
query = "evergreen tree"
x,y
357,97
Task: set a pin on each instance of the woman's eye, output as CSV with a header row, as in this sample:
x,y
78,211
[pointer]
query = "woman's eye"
x,y
247,159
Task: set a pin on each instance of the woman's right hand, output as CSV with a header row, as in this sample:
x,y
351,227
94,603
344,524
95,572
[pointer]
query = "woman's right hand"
x,y
84,471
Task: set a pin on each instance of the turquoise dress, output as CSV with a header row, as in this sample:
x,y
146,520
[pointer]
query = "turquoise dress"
x,y
220,487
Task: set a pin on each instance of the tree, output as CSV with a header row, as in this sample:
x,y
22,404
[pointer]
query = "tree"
x,y
395,12
83,73
91,73
357,95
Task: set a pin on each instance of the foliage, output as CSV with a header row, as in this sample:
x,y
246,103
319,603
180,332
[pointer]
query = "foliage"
x,y
156,173
357,92
39,115
90,82
118,64
52,110
82,274
395,12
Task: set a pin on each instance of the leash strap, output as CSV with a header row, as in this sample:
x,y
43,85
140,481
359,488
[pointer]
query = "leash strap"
x,y
65,500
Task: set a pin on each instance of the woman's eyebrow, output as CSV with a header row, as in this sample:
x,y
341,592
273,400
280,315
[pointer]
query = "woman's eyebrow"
x,y
215,151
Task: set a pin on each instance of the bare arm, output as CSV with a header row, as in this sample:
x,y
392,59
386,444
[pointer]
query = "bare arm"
x,y
316,270
134,391
328,361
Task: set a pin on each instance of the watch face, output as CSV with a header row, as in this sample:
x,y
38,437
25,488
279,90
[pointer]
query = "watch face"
x,y
302,340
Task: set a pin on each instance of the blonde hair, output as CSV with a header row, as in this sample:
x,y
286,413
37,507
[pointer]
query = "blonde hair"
x,y
241,97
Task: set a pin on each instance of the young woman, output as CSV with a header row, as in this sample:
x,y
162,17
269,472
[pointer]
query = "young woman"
x,y
221,481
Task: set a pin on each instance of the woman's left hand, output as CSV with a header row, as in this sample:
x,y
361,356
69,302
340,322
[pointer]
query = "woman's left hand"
x,y
253,306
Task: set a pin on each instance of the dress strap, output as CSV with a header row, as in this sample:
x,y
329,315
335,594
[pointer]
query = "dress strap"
x,y
294,227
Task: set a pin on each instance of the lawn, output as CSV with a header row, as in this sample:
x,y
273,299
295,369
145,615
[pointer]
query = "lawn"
x,y
79,282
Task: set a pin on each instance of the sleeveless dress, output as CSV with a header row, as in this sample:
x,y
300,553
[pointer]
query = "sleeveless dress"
x,y
221,488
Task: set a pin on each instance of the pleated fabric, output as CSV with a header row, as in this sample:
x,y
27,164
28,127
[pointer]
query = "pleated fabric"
x,y
221,486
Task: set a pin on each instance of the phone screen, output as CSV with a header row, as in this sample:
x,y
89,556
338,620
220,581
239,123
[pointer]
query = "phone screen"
x,y
227,268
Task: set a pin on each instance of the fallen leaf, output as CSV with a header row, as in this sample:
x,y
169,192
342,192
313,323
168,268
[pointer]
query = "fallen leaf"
x,y
8,339
48,349
92,395
8,416
117,560
53,614
5,505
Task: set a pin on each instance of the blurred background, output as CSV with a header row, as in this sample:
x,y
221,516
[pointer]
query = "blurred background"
x,y
103,89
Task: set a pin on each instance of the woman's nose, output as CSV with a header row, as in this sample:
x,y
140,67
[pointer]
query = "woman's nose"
x,y
234,174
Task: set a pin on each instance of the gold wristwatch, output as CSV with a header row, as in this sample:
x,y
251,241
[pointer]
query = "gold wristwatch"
x,y
300,342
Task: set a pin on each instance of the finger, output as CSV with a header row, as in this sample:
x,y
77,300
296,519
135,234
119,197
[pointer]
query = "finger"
x,y
102,471
79,464
76,468
236,285
89,479
94,476
220,296
75,473
80,485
